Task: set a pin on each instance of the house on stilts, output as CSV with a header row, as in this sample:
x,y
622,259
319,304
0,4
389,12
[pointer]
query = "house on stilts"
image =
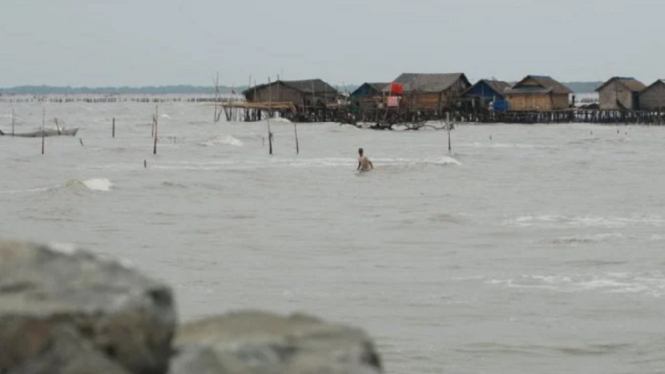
x,y
538,93
620,93
424,92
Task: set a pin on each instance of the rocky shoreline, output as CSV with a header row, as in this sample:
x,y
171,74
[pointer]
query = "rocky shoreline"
x,y
71,312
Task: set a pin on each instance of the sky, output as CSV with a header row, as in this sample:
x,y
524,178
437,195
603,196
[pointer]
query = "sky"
x,y
164,42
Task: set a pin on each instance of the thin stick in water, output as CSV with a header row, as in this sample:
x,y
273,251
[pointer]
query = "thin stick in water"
x,y
216,117
295,129
43,124
13,121
113,128
269,114
154,149
448,125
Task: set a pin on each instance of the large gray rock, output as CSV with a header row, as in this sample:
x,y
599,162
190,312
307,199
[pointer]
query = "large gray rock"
x,y
69,353
264,343
52,302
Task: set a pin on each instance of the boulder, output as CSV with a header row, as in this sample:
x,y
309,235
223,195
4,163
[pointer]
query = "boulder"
x,y
264,343
69,353
54,303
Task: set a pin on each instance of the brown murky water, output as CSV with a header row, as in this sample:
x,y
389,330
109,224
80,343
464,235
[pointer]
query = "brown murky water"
x,y
540,250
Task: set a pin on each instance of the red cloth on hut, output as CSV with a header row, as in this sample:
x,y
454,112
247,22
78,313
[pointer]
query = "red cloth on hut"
x,y
396,88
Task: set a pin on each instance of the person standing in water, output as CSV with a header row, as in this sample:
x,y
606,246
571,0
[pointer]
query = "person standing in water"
x,y
364,164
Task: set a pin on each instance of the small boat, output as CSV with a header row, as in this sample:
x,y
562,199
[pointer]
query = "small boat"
x,y
45,133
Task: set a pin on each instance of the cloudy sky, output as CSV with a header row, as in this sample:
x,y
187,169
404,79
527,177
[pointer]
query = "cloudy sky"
x,y
161,42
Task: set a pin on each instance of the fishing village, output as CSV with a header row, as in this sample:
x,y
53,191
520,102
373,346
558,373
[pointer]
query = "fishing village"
x,y
414,99
419,98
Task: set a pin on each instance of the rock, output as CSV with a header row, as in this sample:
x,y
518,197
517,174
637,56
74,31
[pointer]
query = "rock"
x,y
69,353
52,301
264,343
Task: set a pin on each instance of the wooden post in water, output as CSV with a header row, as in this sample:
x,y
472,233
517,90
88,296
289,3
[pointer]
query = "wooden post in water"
x,y
269,114
448,124
113,128
154,149
43,124
216,118
313,102
13,121
295,129
57,125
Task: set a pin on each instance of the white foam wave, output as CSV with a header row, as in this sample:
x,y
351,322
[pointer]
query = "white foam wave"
x,y
64,248
279,119
304,163
164,116
584,221
504,145
27,191
222,140
652,284
443,160
98,184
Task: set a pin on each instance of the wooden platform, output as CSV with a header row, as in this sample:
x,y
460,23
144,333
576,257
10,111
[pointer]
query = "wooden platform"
x,y
260,106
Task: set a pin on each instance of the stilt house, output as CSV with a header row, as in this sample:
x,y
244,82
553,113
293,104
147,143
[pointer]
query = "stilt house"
x,y
538,93
431,92
302,93
653,97
620,93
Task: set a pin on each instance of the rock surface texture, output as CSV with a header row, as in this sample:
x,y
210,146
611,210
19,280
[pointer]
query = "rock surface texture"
x,y
258,343
70,312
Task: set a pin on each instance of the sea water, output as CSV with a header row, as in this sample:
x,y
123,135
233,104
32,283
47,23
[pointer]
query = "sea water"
x,y
528,249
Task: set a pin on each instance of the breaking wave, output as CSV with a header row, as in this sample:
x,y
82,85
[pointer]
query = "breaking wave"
x,y
305,163
584,221
27,191
652,284
222,140
94,184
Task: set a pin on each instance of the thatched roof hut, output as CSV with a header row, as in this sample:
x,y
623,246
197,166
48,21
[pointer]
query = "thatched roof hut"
x,y
620,93
310,92
538,93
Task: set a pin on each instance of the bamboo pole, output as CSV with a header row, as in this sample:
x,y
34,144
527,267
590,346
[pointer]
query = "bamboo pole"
x,y
249,87
216,118
13,121
313,99
269,114
295,129
154,149
113,128
448,126
43,124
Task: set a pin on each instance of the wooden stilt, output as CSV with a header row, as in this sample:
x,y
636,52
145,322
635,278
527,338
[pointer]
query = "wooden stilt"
x,y
43,129
154,149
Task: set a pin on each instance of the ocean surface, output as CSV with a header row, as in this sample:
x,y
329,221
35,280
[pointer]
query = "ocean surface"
x,y
529,249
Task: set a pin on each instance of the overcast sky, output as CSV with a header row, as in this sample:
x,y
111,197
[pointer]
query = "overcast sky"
x,y
161,42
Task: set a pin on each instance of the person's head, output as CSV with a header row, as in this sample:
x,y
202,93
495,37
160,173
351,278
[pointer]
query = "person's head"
x,y
360,151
